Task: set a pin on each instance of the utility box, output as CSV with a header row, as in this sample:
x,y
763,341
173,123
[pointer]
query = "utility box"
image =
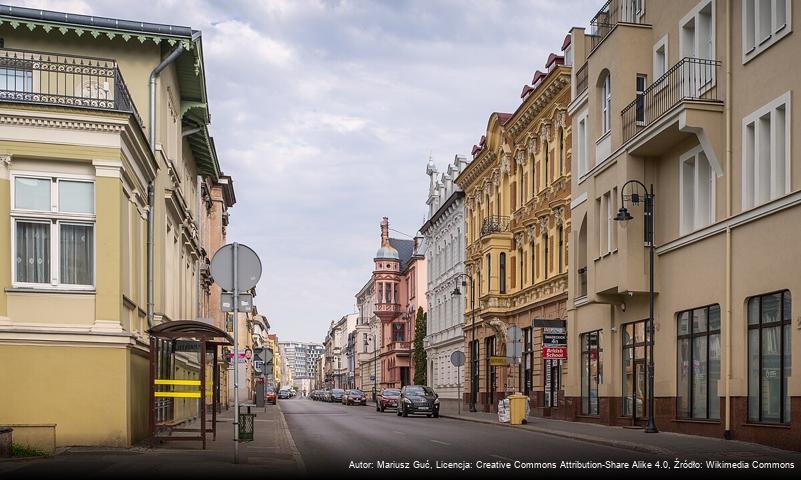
x,y
518,409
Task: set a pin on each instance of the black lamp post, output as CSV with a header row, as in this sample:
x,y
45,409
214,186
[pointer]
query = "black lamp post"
x,y
473,353
375,367
624,215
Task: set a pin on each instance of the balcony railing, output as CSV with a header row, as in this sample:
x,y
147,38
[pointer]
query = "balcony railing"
x,y
689,79
63,80
399,346
581,79
387,308
612,13
494,224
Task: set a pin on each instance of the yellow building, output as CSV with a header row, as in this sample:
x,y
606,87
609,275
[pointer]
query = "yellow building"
x,y
89,162
518,220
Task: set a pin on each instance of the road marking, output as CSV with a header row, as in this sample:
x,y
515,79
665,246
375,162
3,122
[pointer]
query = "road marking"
x,y
399,433
502,458
441,443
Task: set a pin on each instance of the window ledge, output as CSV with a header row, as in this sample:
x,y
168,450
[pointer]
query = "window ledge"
x,y
50,290
785,426
603,137
695,420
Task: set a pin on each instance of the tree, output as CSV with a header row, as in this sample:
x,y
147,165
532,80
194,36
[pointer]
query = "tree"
x,y
420,357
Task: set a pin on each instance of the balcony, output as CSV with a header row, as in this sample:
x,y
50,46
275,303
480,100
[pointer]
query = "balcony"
x,y
387,311
64,81
610,15
691,79
494,224
400,347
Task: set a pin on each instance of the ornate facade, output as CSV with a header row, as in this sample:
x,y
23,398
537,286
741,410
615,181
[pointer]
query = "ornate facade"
x,y
518,222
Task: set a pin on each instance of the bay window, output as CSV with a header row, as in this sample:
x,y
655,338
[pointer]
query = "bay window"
x,y
54,231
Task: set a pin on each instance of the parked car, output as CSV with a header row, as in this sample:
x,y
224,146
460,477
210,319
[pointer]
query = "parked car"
x,y
269,394
283,394
419,400
326,396
354,397
336,395
314,395
388,398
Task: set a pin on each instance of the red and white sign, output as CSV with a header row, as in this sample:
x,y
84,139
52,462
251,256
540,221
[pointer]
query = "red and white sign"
x,y
554,353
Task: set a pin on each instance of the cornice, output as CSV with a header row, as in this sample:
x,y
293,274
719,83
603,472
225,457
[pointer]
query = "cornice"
x,y
537,102
61,123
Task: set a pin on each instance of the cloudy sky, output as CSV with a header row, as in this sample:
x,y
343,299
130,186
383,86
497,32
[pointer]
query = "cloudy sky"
x,y
325,113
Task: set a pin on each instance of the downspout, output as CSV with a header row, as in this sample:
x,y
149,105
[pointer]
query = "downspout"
x,y
728,126
151,187
199,224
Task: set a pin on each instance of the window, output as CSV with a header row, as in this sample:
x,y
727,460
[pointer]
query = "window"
x,y
581,146
533,262
398,333
635,339
364,343
766,153
606,209
639,85
769,357
528,360
489,348
474,373
606,107
697,187
590,373
545,257
697,40
660,58
502,272
16,79
546,171
522,266
489,273
561,237
561,151
765,22
53,231
698,368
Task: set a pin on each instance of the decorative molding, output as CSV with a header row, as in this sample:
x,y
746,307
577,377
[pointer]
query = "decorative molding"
x,y
91,126
108,168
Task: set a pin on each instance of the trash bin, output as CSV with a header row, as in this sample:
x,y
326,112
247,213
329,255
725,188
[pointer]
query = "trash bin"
x,y
5,441
518,409
247,422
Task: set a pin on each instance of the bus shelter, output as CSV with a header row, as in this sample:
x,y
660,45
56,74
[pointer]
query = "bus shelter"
x,y
185,337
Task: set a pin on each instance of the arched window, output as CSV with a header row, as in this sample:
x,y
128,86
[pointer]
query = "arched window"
x,y
502,278
545,253
606,103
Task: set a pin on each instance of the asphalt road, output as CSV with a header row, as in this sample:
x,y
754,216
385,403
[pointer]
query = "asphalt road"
x,y
336,439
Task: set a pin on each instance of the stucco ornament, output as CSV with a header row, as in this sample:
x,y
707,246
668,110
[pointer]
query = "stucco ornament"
x,y
505,165
519,238
544,223
557,214
531,231
520,158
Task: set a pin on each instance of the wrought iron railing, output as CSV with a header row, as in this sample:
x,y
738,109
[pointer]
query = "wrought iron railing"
x,y
612,13
581,79
63,80
398,346
387,307
689,79
494,224
582,282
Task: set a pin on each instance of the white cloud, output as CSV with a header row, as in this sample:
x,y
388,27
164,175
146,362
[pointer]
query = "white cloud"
x,y
233,39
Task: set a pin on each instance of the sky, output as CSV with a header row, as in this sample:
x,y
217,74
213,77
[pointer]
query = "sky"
x,y
325,114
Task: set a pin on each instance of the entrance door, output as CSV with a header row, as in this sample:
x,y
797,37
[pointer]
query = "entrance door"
x,y
404,371
640,390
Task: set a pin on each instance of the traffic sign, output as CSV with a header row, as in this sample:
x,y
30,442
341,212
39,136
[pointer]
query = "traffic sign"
x,y
514,342
248,267
457,358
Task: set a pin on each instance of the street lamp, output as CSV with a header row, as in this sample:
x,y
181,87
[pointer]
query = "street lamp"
x,y
623,215
375,366
473,353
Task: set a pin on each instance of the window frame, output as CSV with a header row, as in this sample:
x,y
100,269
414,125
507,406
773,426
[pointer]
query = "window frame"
x,y
586,392
694,15
777,32
661,44
606,104
695,154
55,219
783,402
691,336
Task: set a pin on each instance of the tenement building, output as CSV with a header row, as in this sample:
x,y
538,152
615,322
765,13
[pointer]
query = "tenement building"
x,y
444,232
677,119
104,158
518,221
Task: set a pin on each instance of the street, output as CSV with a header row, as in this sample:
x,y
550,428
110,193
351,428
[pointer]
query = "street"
x,y
334,438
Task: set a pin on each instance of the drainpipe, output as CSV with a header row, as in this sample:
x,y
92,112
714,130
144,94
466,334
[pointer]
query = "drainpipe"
x,y
199,224
727,109
151,194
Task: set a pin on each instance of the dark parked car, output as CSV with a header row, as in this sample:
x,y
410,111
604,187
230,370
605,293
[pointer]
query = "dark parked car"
x,y
354,397
418,399
388,398
336,395
269,394
283,394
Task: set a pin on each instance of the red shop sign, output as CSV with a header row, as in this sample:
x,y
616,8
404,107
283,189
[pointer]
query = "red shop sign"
x,y
554,353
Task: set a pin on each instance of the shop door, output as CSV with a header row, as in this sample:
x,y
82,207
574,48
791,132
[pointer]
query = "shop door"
x,y
640,390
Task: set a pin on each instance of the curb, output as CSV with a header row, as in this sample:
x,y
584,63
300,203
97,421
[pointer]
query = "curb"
x,y
623,444
294,449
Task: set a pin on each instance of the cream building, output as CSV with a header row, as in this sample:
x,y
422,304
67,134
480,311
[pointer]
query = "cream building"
x,y
92,160
694,99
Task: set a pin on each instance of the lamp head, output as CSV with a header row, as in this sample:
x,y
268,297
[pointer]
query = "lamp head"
x,y
623,215
456,291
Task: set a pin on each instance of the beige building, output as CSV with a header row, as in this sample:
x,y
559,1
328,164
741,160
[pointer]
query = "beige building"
x,y
518,221
693,99
92,156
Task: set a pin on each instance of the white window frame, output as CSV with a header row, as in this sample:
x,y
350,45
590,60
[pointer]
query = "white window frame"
x,y
695,154
606,104
751,200
662,43
581,144
777,31
55,219
694,14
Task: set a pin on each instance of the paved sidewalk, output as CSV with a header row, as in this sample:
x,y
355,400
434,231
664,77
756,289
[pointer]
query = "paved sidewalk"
x,y
271,452
665,444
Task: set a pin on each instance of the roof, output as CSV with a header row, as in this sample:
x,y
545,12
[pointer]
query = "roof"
x,y
503,117
405,250
191,329
567,41
189,66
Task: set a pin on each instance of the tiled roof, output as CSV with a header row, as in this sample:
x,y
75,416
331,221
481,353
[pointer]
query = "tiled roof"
x,y
405,250
566,43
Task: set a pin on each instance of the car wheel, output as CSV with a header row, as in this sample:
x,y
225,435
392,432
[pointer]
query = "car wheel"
x,y
378,409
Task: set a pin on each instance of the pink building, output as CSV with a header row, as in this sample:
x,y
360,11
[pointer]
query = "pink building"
x,y
399,278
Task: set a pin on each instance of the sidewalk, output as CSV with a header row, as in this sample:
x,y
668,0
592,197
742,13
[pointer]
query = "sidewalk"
x,y
272,451
663,444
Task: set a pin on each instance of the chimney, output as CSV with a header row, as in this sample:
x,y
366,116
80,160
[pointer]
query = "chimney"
x,y
385,232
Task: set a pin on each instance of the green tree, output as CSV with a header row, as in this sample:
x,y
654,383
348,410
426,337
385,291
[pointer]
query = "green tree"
x,y
420,357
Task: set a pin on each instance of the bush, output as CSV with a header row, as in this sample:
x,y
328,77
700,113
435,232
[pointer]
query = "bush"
x,y
18,450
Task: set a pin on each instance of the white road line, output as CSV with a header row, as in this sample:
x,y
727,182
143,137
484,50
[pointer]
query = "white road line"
x,y
399,433
441,443
502,458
